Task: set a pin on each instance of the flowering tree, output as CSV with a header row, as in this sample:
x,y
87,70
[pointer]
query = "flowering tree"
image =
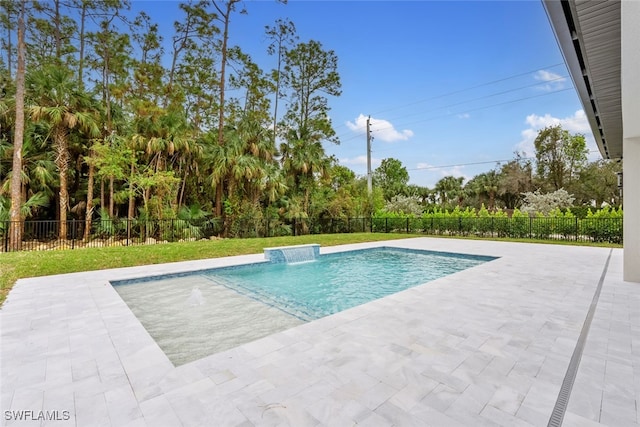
x,y
544,203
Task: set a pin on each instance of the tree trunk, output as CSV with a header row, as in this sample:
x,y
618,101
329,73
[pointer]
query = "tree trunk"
x,y
101,193
56,28
62,161
183,186
111,192
89,210
132,200
15,229
275,108
219,198
83,18
223,64
132,203
8,9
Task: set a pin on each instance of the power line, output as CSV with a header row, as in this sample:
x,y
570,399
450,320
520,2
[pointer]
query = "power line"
x,y
470,88
491,95
462,90
469,164
479,163
479,108
463,111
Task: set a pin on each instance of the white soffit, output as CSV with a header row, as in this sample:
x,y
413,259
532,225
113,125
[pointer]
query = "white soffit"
x,y
588,32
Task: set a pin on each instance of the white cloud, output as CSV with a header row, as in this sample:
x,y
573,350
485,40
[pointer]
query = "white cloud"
x,y
456,171
552,81
577,123
464,116
359,161
441,172
381,130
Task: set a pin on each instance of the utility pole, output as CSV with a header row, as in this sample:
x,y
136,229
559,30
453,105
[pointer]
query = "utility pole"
x,y
369,138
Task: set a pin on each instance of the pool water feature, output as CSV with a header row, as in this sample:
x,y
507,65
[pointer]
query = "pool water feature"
x,y
293,254
204,312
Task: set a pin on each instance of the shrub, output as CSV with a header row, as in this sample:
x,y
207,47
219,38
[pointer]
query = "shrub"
x,y
604,225
106,227
542,227
520,225
566,224
484,222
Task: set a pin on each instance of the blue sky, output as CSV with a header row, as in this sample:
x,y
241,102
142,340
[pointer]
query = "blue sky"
x,y
451,86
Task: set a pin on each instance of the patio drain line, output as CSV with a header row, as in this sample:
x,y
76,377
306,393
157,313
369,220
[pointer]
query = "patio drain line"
x,y
567,384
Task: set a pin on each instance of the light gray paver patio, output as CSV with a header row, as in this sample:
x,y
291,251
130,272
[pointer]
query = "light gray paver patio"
x,y
488,346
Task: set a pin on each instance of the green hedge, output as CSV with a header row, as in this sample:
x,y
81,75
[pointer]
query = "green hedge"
x,y
604,225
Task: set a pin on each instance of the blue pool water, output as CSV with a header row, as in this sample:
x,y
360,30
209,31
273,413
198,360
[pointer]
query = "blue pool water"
x,y
193,315
334,283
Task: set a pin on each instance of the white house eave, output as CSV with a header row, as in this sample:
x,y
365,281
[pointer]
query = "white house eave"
x,y
588,34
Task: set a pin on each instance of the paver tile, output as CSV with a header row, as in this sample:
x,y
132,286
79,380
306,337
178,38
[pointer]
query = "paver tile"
x,y
488,346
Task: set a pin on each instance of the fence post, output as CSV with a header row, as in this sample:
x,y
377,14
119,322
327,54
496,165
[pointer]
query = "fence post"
x,y
530,226
7,229
577,228
73,233
407,225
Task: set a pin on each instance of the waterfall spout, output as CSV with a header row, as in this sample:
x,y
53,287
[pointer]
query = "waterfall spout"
x,y
293,254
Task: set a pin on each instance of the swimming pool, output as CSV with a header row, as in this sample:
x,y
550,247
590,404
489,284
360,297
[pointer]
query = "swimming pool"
x,y
204,312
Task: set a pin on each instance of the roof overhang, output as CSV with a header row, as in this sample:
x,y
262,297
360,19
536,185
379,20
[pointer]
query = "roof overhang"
x,y
588,32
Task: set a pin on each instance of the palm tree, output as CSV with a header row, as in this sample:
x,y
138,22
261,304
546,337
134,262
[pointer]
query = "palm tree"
x,y
219,160
258,153
168,143
230,165
449,189
37,177
490,183
241,163
272,184
302,160
38,173
59,103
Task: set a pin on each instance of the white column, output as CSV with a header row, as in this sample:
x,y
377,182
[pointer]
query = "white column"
x,y
630,79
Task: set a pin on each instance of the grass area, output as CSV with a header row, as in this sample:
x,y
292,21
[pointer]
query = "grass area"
x,y
18,265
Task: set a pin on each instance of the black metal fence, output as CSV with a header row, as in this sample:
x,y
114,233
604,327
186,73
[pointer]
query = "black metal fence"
x,y
45,235
541,228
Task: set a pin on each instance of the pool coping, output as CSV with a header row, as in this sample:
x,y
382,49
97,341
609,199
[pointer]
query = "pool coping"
x,y
69,341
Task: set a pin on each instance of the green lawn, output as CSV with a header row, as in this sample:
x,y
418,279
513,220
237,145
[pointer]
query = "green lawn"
x,y
17,265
